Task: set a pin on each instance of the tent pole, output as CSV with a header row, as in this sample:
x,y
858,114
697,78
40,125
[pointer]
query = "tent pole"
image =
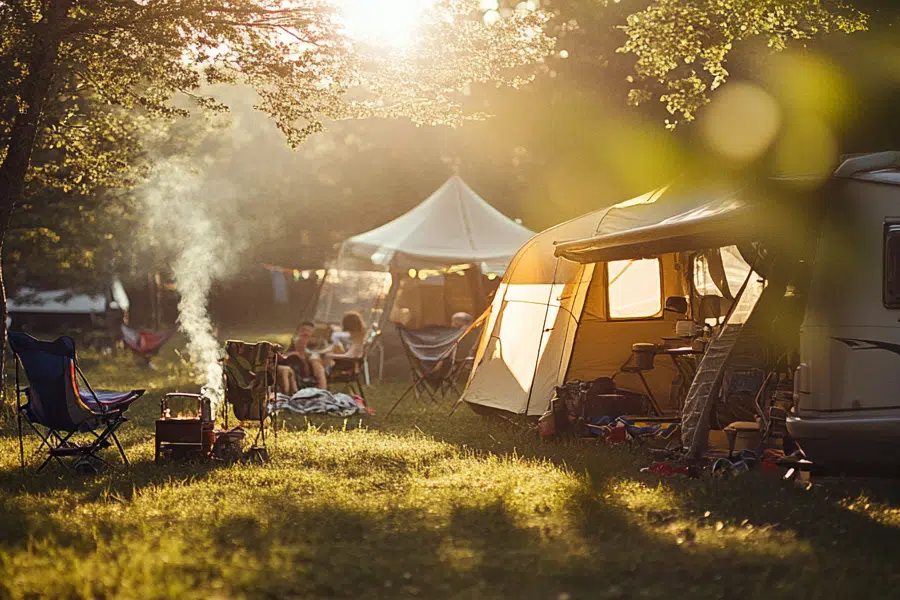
x,y
389,299
477,284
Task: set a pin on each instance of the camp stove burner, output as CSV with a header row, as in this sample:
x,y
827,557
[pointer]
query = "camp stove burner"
x,y
187,435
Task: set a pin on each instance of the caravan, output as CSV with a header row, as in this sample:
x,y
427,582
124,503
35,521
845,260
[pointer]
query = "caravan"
x,y
792,284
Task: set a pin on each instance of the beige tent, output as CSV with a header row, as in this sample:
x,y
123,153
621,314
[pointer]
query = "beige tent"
x,y
555,319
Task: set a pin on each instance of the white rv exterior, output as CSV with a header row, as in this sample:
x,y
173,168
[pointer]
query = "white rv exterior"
x,y
847,389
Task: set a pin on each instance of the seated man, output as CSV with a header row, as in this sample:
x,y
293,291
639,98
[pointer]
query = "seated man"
x,y
298,363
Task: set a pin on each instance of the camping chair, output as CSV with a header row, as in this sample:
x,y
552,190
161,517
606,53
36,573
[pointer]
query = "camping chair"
x,y
462,367
144,344
431,353
249,371
57,408
353,371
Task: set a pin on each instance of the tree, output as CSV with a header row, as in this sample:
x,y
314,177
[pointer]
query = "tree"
x,y
138,54
682,46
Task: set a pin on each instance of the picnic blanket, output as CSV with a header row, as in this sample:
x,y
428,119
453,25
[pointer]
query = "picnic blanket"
x,y
313,401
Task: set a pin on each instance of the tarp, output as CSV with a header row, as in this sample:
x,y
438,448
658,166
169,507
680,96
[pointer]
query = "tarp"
x,y
56,302
452,226
66,302
721,221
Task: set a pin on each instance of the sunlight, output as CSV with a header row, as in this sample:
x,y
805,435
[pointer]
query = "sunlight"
x,y
393,23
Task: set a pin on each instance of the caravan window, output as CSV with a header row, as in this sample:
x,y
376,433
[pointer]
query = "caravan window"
x,y
892,265
634,288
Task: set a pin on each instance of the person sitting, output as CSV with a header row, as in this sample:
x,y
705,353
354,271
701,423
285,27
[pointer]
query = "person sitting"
x,y
353,324
299,364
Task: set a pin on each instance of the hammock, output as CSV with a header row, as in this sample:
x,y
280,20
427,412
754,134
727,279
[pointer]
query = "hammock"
x,y
143,342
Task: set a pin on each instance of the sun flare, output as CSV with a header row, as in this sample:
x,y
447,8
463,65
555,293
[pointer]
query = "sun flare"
x,y
392,23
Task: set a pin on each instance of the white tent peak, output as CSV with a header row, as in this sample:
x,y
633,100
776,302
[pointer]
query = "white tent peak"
x,y
452,226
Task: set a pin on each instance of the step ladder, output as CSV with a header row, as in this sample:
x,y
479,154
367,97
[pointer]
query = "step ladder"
x,y
706,383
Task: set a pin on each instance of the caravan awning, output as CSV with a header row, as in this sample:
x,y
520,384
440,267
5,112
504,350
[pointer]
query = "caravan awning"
x,y
721,222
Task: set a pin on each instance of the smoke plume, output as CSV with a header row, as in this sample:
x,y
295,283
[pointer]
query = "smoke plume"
x,y
189,213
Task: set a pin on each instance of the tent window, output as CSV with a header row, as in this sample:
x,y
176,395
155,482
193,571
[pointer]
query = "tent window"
x,y
736,269
703,279
634,288
892,265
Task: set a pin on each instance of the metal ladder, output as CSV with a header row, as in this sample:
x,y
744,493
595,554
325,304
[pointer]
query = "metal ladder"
x,y
695,417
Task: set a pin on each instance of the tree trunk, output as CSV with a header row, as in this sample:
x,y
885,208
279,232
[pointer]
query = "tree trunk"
x,y
33,93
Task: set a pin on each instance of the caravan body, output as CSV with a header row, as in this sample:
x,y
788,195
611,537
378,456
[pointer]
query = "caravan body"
x,y
847,389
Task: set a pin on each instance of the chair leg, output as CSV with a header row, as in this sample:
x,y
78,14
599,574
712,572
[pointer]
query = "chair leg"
x,y
21,440
109,433
121,450
653,403
400,399
359,387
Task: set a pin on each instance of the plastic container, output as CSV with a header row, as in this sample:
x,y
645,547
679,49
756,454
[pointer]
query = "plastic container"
x,y
644,355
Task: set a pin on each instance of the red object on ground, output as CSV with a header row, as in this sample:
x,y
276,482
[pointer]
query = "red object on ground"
x,y
667,469
617,434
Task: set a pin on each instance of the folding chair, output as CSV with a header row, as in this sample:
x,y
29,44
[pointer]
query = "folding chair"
x,y
249,371
352,371
431,353
58,409
462,367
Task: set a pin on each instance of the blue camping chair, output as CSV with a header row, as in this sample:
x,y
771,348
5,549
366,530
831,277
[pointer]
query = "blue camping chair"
x,y
57,408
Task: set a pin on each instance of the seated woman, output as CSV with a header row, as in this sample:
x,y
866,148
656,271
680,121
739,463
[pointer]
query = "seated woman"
x,y
298,363
352,323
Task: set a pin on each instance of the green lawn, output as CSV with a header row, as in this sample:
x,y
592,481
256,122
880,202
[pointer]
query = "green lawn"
x,y
423,506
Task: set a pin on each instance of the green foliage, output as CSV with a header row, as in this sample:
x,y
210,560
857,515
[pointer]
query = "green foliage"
x,y
124,65
682,46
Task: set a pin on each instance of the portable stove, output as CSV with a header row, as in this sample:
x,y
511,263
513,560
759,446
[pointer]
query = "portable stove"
x,y
185,436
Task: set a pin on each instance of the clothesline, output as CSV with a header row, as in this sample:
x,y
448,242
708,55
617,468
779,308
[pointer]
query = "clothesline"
x,y
296,274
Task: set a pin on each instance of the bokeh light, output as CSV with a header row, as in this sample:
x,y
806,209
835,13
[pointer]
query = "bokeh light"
x,y
742,122
491,17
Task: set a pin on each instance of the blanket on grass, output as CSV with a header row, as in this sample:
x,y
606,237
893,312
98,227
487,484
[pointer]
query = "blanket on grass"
x,y
313,401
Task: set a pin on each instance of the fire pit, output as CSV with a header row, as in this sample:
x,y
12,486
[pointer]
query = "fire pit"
x,y
187,435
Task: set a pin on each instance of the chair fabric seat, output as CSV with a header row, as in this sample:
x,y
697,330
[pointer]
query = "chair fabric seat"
x,y
109,400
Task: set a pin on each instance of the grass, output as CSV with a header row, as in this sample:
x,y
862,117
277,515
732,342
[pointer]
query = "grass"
x,y
423,506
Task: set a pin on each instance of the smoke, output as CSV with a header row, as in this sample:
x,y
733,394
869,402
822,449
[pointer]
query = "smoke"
x,y
190,214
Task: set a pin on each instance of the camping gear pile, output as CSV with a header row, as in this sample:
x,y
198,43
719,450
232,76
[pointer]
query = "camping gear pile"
x,y
597,409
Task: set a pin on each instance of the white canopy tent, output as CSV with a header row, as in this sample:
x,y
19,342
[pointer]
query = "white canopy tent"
x,y
453,226
435,254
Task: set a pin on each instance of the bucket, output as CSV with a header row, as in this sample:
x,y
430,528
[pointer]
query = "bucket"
x,y
644,355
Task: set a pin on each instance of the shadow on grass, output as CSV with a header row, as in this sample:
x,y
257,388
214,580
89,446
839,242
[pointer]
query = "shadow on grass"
x,y
602,540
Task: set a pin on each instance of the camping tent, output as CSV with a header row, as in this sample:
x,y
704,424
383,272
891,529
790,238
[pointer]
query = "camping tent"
x,y
554,319
435,254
